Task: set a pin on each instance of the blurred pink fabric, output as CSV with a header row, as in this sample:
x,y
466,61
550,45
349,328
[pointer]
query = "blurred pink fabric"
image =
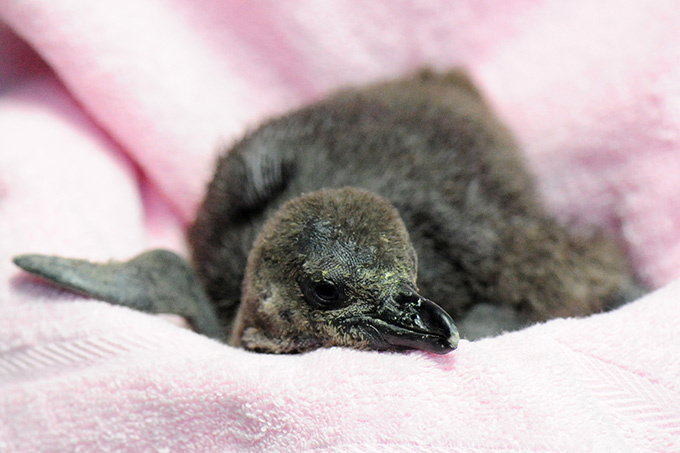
x,y
111,116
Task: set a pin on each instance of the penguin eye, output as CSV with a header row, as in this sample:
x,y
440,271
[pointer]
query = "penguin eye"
x,y
323,293
326,291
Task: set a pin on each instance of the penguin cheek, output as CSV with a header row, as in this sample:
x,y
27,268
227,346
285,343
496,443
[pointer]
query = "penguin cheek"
x,y
270,305
282,310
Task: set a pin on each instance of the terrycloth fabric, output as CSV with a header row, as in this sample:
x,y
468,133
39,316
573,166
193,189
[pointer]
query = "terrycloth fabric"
x,y
110,117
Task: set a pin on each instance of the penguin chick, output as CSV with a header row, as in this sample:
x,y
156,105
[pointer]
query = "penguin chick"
x,y
301,241
488,252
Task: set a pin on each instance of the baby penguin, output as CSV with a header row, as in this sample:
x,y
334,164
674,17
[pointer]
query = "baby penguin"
x,y
302,240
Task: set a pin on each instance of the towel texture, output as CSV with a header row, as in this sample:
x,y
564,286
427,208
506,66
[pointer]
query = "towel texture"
x,y
111,115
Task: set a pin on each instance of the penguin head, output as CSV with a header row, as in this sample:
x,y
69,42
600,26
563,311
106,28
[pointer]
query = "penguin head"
x,y
337,268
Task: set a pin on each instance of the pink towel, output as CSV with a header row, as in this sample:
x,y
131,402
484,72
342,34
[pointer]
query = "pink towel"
x,y
111,115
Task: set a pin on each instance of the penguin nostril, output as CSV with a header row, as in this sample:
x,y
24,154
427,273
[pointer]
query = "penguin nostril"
x,y
407,299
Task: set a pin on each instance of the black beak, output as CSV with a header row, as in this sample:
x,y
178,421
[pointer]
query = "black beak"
x,y
414,322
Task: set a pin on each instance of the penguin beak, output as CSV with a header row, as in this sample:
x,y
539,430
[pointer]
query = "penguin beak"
x,y
413,322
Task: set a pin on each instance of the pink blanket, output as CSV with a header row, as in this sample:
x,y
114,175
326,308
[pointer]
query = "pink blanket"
x,y
111,114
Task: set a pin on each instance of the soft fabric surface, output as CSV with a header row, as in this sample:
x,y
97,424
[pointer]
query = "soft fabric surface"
x,y
111,114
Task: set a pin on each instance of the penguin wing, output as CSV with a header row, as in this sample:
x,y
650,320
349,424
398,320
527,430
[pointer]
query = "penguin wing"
x,y
158,281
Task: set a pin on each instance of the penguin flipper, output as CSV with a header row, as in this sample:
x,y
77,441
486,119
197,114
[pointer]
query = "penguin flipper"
x,y
158,281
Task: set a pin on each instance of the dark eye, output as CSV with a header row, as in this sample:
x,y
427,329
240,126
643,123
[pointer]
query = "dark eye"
x,y
325,293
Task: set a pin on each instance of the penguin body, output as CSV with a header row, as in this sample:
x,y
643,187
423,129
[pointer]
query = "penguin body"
x,y
431,146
